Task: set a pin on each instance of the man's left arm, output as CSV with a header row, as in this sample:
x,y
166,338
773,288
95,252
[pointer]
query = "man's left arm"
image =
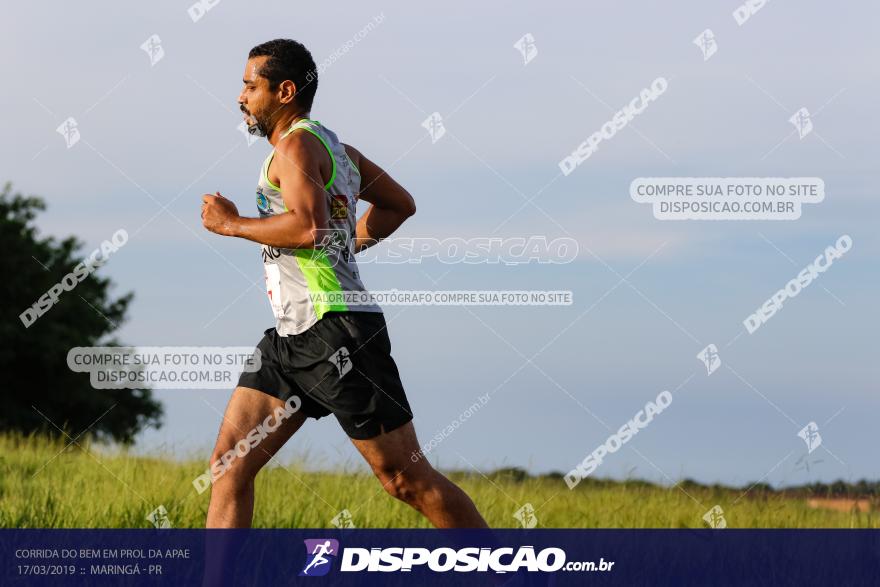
x,y
297,163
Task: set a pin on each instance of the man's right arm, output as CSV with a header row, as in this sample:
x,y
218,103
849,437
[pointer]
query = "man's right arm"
x,y
390,203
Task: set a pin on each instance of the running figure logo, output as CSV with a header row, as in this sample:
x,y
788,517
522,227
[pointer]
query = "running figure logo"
x,y
526,516
707,44
434,125
710,357
341,359
153,48
527,48
715,518
810,435
70,131
802,122
319,554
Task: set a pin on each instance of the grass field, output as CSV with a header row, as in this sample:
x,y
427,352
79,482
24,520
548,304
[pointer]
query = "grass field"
x,y
42,485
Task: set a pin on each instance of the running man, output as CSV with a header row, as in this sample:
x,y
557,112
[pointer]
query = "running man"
x,y
336,358
320,559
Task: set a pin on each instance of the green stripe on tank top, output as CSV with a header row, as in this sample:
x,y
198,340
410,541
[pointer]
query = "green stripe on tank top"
x,y
329,152
321,279
299,125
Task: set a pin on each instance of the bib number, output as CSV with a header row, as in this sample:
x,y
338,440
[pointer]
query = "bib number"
x,y
273,289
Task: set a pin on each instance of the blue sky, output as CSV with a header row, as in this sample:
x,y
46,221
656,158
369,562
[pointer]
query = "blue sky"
x,y
164,135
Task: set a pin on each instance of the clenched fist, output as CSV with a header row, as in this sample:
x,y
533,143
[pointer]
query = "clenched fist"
x,y
218,214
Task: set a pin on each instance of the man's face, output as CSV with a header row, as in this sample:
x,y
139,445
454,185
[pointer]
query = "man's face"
x,y
258,103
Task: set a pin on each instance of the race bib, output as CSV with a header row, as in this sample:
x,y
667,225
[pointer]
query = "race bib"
x,y
273,289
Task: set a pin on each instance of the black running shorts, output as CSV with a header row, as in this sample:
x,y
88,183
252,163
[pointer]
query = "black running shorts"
x,y
341,365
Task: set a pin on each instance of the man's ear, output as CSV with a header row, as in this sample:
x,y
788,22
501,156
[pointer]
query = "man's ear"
x,y
286,91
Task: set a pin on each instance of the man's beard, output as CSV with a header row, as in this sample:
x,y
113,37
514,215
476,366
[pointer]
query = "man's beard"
x,y
258,128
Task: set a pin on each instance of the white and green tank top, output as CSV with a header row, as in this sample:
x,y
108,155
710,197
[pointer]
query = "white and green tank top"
x,y
304,284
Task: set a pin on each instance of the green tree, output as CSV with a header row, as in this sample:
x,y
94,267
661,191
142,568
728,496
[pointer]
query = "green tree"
x,y
40,393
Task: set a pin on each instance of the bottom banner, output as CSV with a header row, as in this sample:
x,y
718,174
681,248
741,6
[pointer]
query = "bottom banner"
x,y
428,557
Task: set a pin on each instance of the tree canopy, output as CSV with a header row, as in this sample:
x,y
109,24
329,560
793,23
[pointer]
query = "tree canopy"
x,y
40,393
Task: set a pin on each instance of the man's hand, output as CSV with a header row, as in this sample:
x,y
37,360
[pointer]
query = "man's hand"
x,y
219,215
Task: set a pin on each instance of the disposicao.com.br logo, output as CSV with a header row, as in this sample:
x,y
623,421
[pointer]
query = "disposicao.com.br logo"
x,y
320,553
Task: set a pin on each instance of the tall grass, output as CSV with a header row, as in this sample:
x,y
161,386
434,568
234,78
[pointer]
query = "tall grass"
x,y
43,484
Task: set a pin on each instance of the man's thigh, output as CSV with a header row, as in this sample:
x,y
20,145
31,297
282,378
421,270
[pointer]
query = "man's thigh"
x,y
255,426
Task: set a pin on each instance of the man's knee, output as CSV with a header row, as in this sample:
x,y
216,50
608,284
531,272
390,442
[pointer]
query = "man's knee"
x,y
231,468
408,486
399,485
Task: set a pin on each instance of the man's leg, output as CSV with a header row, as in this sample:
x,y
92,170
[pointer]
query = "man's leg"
x,y
418,484
232,495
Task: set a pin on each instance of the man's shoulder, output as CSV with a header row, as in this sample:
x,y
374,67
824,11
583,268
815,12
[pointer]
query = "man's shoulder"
x,y
300,145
